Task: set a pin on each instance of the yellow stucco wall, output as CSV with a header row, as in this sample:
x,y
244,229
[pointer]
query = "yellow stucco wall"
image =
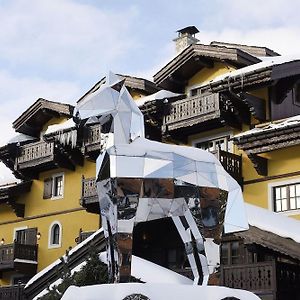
x,y
41,213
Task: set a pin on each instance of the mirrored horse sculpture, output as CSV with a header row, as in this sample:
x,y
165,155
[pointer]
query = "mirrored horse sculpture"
x,y
139,180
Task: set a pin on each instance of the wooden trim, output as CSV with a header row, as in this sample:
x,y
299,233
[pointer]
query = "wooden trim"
x,y
267,178
43,215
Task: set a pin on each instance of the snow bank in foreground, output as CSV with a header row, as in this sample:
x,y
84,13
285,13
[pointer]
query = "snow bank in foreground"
x,y
273,222
155,292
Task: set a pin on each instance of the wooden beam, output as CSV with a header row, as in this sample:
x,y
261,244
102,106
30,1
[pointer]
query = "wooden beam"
x,y
260,164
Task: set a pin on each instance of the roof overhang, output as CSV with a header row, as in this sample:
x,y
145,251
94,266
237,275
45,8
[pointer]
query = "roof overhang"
x,y
197,56
40,112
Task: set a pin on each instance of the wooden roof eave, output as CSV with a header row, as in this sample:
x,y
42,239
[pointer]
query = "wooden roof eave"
x,y
285,246
235,56
41,106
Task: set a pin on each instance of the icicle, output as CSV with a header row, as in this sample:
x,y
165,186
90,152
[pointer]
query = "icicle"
x,y
67,138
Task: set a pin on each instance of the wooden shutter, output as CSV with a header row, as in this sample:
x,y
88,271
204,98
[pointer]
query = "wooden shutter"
x,y
48,188
30,236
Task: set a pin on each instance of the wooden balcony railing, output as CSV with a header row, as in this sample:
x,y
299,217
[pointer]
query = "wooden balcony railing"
x,y
34,154
93,142
192,110
89,199
14,292
11,253
232,163
259,278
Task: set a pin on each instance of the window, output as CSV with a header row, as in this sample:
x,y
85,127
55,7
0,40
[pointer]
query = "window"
x,y
296,93
214,144
230,253
54,187
286,197
25,236
55,232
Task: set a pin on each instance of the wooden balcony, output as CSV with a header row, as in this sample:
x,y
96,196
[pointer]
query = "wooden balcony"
x,y
92,143
269,280
14,292
89,198
197,114
18,257
232,163
41,156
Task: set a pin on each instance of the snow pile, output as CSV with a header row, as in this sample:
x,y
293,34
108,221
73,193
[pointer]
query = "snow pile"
x,y
160,95
273,61
262,128
66,133
155,292
273,222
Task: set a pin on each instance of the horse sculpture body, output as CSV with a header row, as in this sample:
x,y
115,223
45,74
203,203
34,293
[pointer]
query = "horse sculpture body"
x,y
139,180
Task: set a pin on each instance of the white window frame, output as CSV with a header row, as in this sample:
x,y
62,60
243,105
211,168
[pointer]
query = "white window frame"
x,y
50,245
17,229
53,186
271,187
215,137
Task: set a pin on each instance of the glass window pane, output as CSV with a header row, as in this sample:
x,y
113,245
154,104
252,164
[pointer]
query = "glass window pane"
x,y
284,204
298,202
283,192
235,252
298,189
292,190
292,203
277,193
278,206
224,253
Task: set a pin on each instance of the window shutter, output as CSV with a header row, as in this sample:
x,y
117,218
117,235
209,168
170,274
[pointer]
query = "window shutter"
x,y
30,236
47,188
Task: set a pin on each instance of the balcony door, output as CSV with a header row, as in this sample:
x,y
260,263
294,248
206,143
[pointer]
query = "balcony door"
x,y
26,236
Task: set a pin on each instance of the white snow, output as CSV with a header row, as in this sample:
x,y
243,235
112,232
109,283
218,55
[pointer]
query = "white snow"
x,y
155,292
25,261
274,60
66,132
271,126
160,95
60,127
21,138
273,222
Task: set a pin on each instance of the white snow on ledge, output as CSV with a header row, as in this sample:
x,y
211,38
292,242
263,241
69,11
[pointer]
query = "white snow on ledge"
x,y
160,95
60,127
270,126
274,60
155,292
273,222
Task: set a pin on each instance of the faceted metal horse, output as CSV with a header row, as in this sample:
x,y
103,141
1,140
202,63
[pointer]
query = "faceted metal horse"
x,y
139,180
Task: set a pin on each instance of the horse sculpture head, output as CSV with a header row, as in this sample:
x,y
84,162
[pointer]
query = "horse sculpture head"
x,y
139,180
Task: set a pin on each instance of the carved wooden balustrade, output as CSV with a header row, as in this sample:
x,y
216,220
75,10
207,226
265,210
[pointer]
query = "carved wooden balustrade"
x,y
16,253
89,199
34,154
192,110
93,142
14,292
232,163
259,278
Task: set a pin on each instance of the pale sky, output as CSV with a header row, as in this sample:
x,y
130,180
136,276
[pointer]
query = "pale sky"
x,y
58,49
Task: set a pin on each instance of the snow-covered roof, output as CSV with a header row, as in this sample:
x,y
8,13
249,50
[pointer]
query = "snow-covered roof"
x,y
61,127
267,62
262,128
273,222
21,137
160,95
155,291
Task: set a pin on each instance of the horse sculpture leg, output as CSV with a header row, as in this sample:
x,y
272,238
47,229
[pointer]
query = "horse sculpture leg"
x,y
196,257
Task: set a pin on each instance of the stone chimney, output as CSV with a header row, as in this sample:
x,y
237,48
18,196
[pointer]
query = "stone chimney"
x,y
186,37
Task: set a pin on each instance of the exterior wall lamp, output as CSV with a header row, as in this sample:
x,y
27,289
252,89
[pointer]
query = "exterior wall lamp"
x,y
38,235
2,241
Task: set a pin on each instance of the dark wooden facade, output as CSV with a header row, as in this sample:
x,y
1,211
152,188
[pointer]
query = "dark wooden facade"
x,y
261,262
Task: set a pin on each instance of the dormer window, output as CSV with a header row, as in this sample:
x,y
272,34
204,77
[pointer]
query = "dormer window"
x,y
297,93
